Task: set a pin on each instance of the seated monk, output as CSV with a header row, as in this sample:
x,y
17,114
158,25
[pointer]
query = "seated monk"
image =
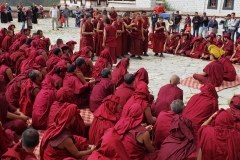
x,y
218,137
219,42
59,143
3,33
141,75
205,53
15,46
213,73
236,54
24,149
120,71
164,119
166,95
5,68
65,50
180,144
59,42
7,41
64,98
86,54
111,147
40,65
201,106
102,89
103,61
54,58
135,137
71,45
183,45
105,117
234,109
196,50
229,70
3,146
169,44
80,63
141,96
42,103
126,89
228,45
81,91
29,92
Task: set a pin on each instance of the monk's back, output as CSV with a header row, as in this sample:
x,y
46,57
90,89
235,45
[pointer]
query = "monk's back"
x,y
215,73
111,36
125,92
229,70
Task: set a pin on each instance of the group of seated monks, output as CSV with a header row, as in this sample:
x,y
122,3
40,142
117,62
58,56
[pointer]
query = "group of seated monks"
x,y
50,86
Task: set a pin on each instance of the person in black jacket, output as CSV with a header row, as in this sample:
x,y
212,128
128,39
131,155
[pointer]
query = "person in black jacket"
x,y
204,25
19,11
196,24
23,18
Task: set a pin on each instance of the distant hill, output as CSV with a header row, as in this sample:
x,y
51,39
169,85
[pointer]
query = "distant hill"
x,y
45,3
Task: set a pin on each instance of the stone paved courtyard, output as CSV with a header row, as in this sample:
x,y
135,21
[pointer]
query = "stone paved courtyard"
x,y
160,69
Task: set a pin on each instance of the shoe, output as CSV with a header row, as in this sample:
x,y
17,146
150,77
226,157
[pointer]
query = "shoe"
x,y
119,57
156,54
161,55
132,56
145,54
139,57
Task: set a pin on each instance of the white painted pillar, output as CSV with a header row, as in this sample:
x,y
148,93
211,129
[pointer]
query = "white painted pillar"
x,y
145,3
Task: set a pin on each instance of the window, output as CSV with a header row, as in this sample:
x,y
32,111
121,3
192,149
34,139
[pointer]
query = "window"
x,y
228,4
212,4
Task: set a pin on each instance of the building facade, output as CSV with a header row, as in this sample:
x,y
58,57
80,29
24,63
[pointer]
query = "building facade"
x,y
212,7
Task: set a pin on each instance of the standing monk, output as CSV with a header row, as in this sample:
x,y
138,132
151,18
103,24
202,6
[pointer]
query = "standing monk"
x,y
137,37
87,32
118,24
126,34
159,37
95,24
100,29
146,25
113,15
109,39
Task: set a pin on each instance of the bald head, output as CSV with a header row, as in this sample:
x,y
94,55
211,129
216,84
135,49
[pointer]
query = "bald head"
x,y
175,80
35,76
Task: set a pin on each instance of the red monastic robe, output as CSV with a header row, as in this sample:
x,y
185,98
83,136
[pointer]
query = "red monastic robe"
x,y
136,39
228,48
170,45
2,35
118,26
99,47
166,95
113,15
219,43
126,38
7,42
87,40
159,38
95,23
197,52
237,55
111,41
229,70
184,46
52,61
145,33
102,89
120,71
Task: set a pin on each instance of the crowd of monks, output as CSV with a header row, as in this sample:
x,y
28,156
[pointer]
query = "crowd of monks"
x,y
50,83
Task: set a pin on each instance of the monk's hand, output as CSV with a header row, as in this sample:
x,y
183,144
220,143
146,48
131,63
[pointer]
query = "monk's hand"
x,y
143,38
144,124
92,147
103,44
92,81
149,128
24,118
214,114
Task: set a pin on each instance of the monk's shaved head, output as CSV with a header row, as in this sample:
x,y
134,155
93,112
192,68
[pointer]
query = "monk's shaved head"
x,y
71,68
33,75
129,78
177,106
79,61
175,80
30,138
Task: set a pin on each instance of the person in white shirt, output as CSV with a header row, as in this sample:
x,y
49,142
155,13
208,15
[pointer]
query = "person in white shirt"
x,y
232,25
55,14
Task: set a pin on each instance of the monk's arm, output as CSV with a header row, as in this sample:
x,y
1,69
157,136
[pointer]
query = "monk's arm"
x,y
147,142
44,72
15,116
164,47
98,27
203,74
104,37
207,122
89,62
35,92
44,54
86,33
68,144
122,28
177,47
81,78
150,119
9,74
142,32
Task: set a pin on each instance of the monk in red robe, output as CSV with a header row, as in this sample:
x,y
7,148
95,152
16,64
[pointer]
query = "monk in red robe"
x,y
201,106
159,37
7,41
126,34
59,42
113,15
3,146
103,61
137,37
71,44
181,140
3,33
42,103
118,24
164,119
87,32
81,90
146,25
218,137
219,42
24,150
100,30
110,39
183,45
141,96
102,89
120,71
15,46
59,143
105,117
58,73
95,22
205,52
66,56
64,98
111,147
5,70
228,45
135,137
229,70
54,59
126,89
196,50
213,73
29,91
236,54
169,44
166,95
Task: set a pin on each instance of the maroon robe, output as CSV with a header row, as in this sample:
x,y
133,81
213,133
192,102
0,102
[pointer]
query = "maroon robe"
x,y
170,45
237,55
7,42
229,70
219,43
3,73
124,92
99,47
166,95
95,23
136,41
42,103
81,91
159,38
197,52
2,35
105,117
201,106
102,89
87,40
234,110
126,38
113,15
111,41
52,61
184,46
119,38
180,144
3,146
215,74
228,48
145,33
86,69
120,71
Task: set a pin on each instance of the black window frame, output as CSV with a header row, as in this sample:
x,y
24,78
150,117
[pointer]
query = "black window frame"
x,y
209,5
226,8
